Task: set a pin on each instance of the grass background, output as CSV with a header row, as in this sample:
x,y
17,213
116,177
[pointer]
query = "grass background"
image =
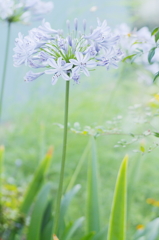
x,y
28,129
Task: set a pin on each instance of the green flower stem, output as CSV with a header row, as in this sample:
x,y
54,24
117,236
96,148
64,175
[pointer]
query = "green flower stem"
x,y
59,194
4,70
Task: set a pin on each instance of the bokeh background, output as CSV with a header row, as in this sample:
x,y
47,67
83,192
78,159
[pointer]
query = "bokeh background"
x,y
31,109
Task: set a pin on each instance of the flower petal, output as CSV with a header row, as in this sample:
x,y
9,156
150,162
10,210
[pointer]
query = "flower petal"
x,y
59,61
74,62
54,79
86,72
79,56
65,76
91,64
51,71
52,63
86,57
67,66
76,69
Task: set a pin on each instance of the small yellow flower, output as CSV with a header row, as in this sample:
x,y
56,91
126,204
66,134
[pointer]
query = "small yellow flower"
x,y
156,204
157,97
140,227
150,201
55,237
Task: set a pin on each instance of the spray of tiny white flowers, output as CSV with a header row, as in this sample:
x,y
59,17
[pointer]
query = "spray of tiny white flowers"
x,y
67,57
24,10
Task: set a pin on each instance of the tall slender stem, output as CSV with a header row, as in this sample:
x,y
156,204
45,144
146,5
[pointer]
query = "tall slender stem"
x,y
59,194
4,70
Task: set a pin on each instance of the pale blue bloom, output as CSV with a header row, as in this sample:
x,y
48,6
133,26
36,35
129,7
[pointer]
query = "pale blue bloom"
x,y
25,48
31,76
100,33
24,10
92,50
46,27
75,76
84,25
111,58
82,63
6,8
67,57
43,56
41,8
59,68
76,24
38,35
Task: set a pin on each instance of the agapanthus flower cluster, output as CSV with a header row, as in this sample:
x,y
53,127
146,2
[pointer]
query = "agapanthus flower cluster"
x,y
66,57
137,45
24,10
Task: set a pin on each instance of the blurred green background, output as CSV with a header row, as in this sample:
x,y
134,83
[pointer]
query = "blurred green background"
x,y
31,109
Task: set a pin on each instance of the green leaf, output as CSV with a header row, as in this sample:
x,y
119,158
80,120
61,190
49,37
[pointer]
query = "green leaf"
x,y
47,231
156,76
155,30
47,222
74,228
117,223
101,235
156,134
156,37
151,232
64,206
129,57
35,184
93,218
89,236
79,167
151,54
34,229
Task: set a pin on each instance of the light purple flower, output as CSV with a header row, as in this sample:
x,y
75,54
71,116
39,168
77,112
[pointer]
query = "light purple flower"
x,y
75,76
82,63
24,49
39,36
59,69
31,76
6,8
24,10
111,58
68,56
46,27
100,33
41,8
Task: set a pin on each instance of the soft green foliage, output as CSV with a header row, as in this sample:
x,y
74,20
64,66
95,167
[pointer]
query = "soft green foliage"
x,y
34,230
72,229
155,30
117,223
151,54
36,183
156,76
1,170
151,232
66,200
93,218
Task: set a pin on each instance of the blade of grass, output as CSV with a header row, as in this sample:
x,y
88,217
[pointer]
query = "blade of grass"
x,y
64,206
1,172
78,168
74,228
93,218
117,223
34,229
36,183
